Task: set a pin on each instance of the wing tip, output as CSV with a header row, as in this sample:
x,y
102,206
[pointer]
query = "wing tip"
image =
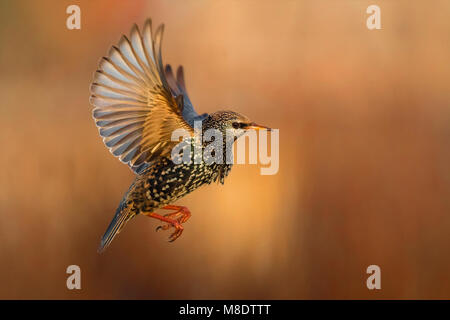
x,y
135,27
180,77
159,33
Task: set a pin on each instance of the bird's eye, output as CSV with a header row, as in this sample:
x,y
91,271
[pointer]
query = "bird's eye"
x,y
235,125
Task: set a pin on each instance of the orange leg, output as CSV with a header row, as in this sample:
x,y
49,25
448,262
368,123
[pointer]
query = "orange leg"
x,y
181,215
170,222
173,219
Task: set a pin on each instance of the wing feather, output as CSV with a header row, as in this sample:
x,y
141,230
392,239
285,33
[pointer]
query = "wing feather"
x,y
178,88
134,107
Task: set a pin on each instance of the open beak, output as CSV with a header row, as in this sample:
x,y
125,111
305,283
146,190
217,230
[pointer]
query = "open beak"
x,y
255,126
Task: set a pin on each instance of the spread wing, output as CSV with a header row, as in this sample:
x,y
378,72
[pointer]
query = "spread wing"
x,y
178,88
135,109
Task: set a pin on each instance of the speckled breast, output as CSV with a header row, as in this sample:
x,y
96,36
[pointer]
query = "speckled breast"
x,y
164,182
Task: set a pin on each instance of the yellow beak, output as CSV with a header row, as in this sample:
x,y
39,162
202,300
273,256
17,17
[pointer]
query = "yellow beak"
x,y
255,126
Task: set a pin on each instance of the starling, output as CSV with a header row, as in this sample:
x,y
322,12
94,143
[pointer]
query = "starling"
x,y
138,103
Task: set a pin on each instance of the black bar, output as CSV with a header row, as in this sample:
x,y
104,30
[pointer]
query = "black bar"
x,y
225,309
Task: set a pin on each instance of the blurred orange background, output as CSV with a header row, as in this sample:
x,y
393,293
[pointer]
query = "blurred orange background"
x,y
364,119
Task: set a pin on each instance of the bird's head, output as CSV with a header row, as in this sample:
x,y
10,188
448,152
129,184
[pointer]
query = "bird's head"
x,y
230,121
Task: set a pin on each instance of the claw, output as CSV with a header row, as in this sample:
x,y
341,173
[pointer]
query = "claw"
x,y
173,219
163,227
179,230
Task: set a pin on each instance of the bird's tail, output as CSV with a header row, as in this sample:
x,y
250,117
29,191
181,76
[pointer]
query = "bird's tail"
x,y
121,217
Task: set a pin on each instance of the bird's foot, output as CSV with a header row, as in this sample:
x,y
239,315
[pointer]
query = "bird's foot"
x,y
169,223
182,214
178,229
173,219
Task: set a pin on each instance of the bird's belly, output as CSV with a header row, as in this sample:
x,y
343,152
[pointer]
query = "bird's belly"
x,y
165,182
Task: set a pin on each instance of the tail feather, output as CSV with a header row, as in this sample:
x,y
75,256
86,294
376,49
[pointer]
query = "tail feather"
x,y
118,222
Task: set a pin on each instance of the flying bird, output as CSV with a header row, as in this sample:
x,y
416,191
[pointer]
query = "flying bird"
x,y
138,103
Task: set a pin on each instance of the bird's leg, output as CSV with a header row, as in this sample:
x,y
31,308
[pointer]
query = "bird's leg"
x,y
170,222
182,214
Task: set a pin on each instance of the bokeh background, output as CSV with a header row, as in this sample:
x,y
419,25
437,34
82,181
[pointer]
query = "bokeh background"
x,y
364,119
